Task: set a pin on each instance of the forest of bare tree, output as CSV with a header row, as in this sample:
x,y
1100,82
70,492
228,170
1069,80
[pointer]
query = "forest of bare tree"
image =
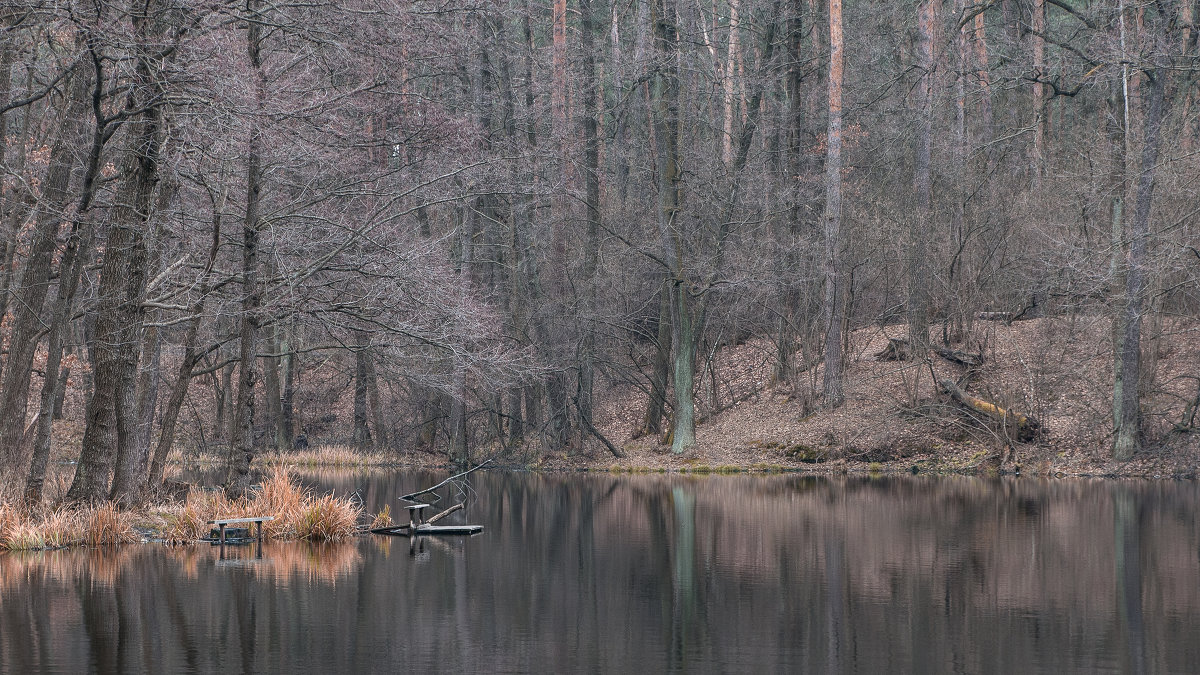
x,y
249,226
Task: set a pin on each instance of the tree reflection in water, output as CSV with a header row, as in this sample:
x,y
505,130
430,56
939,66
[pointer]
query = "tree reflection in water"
x,y
653,574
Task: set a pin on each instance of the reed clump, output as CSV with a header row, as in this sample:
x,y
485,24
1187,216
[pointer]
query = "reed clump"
x,y
383,518
325,518
26,530
341,456
22,536
106,524
296,512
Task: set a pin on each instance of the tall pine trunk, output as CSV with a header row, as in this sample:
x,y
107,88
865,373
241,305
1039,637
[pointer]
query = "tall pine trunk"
x,y
833,389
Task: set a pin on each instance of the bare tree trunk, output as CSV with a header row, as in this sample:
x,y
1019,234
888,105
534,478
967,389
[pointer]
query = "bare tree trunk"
x,y
665,100
514,277
833,386
242,443
656,405
362,432
17,199
954,323
242,440
728,85
516,426
1039,67
110,419
921,230
131,482
558,411
377,415
31,290
983,73
591,139
459,444
533,407
272,387
785,367
183,377
1127,419
683,432
291,376
147,398
131,454
223,386
110,411
8,245
77,252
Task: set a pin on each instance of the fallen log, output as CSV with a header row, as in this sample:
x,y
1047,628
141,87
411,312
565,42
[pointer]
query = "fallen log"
x,y
961,358
1022,427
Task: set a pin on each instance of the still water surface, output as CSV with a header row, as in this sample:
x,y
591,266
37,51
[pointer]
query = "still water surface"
x,y
607,574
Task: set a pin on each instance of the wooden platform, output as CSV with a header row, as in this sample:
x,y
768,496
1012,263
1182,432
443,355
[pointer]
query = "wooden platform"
x,y
407,531
224,522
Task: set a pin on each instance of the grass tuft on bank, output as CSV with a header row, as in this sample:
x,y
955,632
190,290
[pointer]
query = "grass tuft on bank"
x,y
297,512
336,455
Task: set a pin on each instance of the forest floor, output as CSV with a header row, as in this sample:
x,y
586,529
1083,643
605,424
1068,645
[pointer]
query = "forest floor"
x,y
895,420
1059,370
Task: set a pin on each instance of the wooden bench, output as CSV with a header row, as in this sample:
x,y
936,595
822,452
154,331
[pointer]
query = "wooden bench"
x,y
222,522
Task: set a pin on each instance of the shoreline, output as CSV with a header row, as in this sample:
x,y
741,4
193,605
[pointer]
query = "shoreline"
x,y
181,523
1031,461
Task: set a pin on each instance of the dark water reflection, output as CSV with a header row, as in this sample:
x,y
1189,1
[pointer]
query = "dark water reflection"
x,y
654,574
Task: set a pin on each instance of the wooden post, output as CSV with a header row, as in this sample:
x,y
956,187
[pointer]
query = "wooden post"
x,y
414,515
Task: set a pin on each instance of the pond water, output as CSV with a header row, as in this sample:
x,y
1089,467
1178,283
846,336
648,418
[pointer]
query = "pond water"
x,y
648,574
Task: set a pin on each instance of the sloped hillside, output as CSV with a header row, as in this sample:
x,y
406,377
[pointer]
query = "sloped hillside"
x,y
1057,370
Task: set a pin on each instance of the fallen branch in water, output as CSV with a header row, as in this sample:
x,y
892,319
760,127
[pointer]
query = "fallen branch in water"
x,y
409,497
445,513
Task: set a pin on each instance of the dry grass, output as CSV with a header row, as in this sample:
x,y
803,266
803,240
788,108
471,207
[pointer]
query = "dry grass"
x,y
298,514
325,518
24,530
383,518
296,511
328,455
108,525
341,456
60,529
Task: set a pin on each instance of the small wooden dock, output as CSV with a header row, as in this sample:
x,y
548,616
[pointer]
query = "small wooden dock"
x,y
406,531
416,527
